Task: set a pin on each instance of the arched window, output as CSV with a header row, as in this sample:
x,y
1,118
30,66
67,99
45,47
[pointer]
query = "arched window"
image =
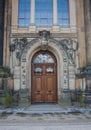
x,y
63,13
43,58
43,12
24,13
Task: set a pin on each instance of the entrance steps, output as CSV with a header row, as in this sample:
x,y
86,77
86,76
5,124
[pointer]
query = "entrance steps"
x,y
45,109
42,109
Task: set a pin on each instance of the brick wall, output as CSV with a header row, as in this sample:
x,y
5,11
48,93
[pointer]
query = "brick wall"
x,y
1,29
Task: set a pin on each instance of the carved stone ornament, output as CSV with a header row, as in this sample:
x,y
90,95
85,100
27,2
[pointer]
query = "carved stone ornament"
x,y
17,46
19,43
70,46
44,47
12,47
44,35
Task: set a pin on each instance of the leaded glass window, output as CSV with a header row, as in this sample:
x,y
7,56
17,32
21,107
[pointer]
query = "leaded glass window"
x,y
43,12
38,70
24,13
63,13
43,58
49,70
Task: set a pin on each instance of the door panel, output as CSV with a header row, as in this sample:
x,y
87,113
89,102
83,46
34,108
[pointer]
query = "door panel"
x,y
50,89
37,89
44,85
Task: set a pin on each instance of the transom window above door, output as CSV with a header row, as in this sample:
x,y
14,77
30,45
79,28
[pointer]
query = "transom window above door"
x,y
43,58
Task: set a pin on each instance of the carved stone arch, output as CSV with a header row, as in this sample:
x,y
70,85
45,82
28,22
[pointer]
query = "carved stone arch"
x,y
62,64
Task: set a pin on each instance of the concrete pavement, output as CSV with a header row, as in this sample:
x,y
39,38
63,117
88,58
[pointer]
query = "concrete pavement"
x,y
45,127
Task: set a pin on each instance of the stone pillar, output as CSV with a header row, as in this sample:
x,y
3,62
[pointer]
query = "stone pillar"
x,y
17,76
55,19
72,77
7,32
72,12
32,16
32,12
81,33
2,2
87,9
15,9
55,16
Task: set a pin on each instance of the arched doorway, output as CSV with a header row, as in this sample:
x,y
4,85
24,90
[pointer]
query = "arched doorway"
x,y
44,78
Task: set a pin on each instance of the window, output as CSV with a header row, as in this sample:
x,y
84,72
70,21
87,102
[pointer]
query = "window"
x,y
24,13
43,12
63,13
43,58
38,70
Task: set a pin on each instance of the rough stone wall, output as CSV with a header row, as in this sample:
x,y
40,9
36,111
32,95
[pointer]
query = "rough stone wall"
x,y
1,29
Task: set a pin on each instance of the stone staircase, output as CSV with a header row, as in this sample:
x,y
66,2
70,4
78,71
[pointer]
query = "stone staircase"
x,y
40,109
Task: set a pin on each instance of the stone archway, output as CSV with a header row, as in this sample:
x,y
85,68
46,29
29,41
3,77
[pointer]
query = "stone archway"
x,y
62,66
65,69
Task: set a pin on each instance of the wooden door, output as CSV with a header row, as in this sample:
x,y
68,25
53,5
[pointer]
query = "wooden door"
x,y
44,85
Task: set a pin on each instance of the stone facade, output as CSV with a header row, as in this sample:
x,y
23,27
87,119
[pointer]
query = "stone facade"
x,y
71,46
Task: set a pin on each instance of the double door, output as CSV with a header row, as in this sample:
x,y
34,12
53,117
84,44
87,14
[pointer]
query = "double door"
x,y
44,84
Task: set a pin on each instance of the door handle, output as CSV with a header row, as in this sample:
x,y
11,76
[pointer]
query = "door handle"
x,y
38,92
49,92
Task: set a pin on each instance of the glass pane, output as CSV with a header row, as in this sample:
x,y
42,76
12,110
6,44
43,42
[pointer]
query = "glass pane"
x,y
24,13
43,9
44,58
38,70
63,13
49,70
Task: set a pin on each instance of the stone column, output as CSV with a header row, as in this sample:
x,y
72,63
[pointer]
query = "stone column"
x,y
87,7
81,33
15,11
32,16
55,16
87,12
1,29
7,32
55,19
72,17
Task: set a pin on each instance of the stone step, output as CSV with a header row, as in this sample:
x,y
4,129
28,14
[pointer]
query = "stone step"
x,y
44,108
